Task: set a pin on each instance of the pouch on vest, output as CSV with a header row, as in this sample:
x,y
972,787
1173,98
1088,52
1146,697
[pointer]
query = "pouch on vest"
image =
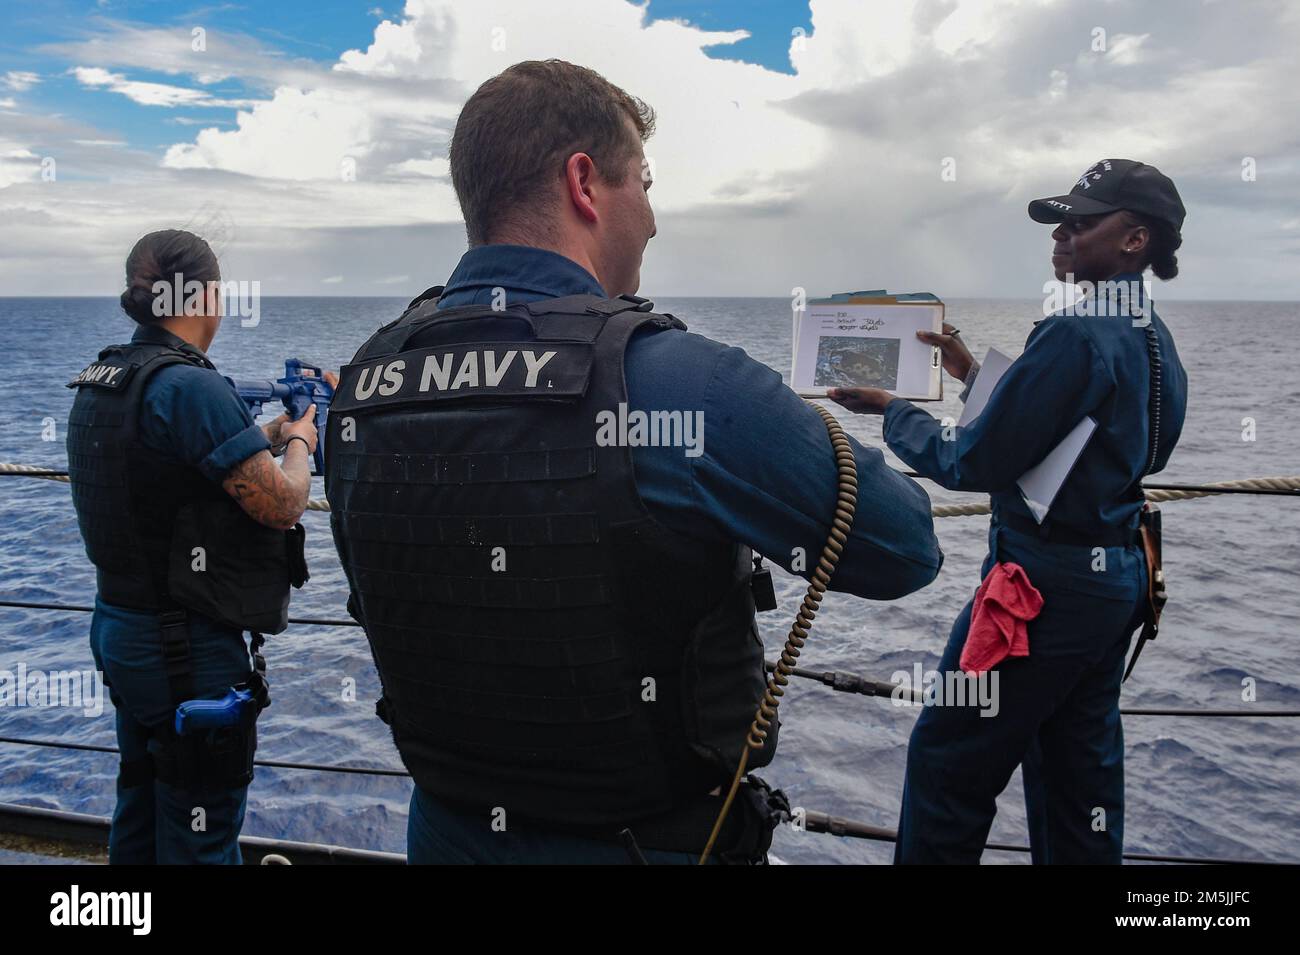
x,y
227,566
719,699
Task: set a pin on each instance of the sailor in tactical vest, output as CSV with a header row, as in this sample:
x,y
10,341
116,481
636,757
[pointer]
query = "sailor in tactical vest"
x,y
1094,556
193,532
560,599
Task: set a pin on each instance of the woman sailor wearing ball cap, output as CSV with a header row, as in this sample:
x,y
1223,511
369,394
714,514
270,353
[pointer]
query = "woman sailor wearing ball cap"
x,y
1077,581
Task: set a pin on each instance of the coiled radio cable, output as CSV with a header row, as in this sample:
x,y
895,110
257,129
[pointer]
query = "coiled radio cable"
x,y
846,503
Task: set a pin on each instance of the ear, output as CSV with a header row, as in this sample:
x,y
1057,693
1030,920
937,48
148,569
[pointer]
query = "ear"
x,y
580,183
1136,238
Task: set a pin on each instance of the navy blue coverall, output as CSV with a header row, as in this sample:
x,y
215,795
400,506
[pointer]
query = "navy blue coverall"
x,y
1058,708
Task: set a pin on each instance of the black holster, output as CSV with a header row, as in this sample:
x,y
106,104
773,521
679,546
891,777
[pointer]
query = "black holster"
x,y
761,809
1156,596
746,834
207,761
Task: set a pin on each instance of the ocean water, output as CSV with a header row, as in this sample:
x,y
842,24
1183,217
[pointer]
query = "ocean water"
x,y
1195,786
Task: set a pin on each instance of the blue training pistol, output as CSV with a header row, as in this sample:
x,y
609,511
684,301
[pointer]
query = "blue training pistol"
x,y
233,709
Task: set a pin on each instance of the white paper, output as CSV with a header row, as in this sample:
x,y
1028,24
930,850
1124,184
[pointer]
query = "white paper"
x,y
841,345
991,370
1041,483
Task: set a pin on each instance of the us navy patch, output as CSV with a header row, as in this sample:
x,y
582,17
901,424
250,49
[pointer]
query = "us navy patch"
x,y
104,374
485,369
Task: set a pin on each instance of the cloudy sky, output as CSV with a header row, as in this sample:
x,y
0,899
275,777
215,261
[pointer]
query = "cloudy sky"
x,y
799,143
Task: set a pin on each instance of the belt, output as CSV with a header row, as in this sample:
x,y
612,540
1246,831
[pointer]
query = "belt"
x,y
745,837
1058,534
684,828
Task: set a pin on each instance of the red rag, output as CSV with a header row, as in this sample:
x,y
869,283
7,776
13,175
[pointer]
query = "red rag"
x,y
999,623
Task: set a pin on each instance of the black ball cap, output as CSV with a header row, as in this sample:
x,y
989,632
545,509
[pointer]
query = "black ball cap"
x,y
1113,184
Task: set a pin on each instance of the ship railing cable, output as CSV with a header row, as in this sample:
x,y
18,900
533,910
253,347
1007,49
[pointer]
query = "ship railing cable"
x,y
1155,492
906,697
808,820
837,680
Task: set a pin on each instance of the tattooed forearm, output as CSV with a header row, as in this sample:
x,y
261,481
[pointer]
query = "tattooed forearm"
x,y
268,494
295,468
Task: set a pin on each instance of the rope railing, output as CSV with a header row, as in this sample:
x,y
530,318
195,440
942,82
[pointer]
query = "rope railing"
x,y
28,470
1156,493
1163,493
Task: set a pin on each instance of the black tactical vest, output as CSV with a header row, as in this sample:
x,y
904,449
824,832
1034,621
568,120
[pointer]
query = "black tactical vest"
x,y
545,646
142,514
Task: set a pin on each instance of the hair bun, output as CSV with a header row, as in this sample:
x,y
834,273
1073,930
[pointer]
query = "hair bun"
x,y
138,303
170,257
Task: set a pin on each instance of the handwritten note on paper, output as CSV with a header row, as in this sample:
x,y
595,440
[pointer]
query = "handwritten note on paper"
x,y
839,345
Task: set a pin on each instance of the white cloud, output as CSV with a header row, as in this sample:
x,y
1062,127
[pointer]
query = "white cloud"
x,y
395,49
723,136
296,135
1058,85
1125,49
332,280
17,164
169,50
19,81
826,178
851,44
194,121
146,94
435,168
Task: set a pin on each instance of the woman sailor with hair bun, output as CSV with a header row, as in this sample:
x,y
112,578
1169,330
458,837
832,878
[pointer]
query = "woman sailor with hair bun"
x,y
177,495
1074,577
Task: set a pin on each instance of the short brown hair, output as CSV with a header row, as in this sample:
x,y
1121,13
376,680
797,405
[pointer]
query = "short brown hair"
x,y
516,131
